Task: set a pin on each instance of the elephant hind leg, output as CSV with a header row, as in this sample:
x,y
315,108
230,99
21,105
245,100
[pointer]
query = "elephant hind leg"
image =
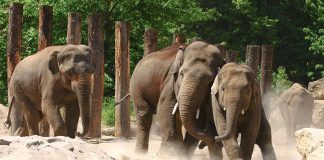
x,y
31,114
144,122
44,128
18,124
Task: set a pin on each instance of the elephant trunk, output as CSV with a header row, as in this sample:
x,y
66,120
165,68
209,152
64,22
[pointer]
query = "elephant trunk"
x,y
82,88
188,105
232,113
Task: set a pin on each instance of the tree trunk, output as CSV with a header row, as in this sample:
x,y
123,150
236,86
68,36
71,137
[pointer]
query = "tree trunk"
x,y
231,56
45,26
14,37
122,120
150,41
252,57
96,43
73,29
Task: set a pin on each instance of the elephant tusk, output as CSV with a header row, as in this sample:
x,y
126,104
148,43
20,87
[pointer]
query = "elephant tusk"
x,y
224,109
175,108
197,113
242,111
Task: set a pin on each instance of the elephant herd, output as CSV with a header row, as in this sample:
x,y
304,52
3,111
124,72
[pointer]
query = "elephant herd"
x,y
186,86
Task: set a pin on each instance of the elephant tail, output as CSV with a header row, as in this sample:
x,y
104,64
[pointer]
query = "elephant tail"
x,y
121,100
7,123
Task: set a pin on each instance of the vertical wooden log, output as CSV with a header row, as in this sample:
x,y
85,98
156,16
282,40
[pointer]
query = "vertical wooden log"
x,y
178,39
266,69
122,119
252,57
45,25
14,37
231,56
96,43
221,49
150,41
73,29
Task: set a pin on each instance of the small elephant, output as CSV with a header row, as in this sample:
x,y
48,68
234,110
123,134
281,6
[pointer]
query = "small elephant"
x,y
153,89
41,84
296,107
237,108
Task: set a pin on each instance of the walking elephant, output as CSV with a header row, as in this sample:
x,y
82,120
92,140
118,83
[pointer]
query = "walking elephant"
x,y
237,108
188,70
296,107
41,84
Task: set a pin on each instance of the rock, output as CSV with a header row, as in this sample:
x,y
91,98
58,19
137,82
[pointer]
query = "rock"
x,y
318,114
39,148
316,88
310,143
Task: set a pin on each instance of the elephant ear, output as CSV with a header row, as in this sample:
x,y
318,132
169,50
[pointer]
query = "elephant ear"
x,y
178,61
53,62
256,95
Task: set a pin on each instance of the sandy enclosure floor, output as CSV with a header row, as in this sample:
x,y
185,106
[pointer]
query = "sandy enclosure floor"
x,y
124,149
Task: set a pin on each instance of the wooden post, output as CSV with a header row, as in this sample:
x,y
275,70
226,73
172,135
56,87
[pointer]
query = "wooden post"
x,y
221,49
73,29
14,37
178,39
45,25
231,56
122,120
96,43
266,69
252,57
150,41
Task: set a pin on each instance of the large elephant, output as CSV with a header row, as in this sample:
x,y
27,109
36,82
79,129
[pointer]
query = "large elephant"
x,y
153,90
41,84
296,107
237,108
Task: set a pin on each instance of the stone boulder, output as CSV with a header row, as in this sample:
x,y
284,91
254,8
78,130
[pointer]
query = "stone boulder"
x,y
50,148
310,143
316,88
318,114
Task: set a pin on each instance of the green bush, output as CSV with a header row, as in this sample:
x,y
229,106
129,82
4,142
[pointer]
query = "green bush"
x,y
280,80
108,111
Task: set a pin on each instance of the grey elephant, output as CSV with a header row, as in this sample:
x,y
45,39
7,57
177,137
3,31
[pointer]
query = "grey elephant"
x,y
153,89
41,84
296,107
237,108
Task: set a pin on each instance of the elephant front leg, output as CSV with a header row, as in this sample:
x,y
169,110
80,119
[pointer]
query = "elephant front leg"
x,y
44,128
54,117
71,118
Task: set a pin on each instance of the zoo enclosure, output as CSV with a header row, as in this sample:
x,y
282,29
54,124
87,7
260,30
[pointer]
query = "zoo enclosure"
x,y
254,56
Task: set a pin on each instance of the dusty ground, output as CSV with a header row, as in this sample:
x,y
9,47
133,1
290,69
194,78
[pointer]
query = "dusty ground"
x,y
124,149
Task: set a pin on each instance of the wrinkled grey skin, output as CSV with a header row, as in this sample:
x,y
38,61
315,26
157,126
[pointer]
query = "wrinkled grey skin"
x,y
41,84
153,87
296,107
237,108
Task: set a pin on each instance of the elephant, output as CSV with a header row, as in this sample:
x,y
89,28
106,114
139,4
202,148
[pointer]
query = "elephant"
x,y
179,73
237,108
296,107
43,83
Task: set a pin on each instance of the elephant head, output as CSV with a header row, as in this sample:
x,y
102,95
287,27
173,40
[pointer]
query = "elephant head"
x,y
74,65
196,67
234,92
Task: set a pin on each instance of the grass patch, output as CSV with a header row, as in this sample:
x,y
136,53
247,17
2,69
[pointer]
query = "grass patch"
x,y
108,111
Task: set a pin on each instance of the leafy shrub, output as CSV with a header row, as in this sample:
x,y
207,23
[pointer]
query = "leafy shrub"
x,y
280,80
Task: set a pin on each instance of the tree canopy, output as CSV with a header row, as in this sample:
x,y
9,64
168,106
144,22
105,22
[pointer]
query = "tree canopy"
x,y
293,27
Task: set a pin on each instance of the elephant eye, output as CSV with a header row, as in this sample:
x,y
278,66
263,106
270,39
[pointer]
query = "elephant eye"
x,y
222,88
181,74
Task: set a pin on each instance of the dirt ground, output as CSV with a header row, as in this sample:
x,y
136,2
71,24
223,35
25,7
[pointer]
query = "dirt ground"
x,y
124,149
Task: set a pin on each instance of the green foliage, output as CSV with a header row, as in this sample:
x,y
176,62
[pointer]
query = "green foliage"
x,y
280,80
108,111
